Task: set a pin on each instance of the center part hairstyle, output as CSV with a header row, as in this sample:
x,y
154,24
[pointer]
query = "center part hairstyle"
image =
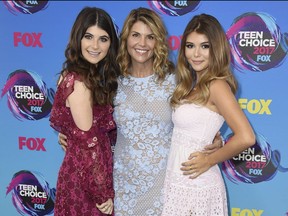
x,y
219,62
100,78
161,63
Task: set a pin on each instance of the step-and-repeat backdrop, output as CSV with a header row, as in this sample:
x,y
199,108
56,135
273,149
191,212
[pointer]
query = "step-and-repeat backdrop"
x,y
33,37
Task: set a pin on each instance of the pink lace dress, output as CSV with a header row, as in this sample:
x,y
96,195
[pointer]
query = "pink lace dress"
x,y
85,176
194,127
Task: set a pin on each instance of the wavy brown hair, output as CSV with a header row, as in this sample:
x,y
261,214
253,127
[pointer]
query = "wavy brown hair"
x,y
219,62
161,63
100,78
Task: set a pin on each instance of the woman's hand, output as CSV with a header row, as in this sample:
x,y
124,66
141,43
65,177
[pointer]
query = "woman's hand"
x,y
106,207
198,163
217,144
209,149
62,140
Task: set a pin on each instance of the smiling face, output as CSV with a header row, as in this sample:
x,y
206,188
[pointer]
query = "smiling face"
x,y
140,44
95,44
197,52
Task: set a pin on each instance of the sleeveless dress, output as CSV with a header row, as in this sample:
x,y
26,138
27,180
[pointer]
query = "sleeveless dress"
x,y
194,127
144,128
85,176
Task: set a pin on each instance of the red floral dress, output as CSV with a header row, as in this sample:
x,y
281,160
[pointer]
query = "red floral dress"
x,y
85,177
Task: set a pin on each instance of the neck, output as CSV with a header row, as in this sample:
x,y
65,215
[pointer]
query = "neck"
x,y
141,69
141,74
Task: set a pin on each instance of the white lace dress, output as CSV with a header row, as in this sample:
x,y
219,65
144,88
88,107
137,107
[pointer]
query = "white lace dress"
x,y
143,117
194,127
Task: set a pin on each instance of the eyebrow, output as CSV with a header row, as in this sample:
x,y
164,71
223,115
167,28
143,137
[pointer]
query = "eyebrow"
x,y
200,43
99,36
141,34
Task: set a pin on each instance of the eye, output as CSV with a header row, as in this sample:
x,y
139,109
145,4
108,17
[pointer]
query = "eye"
x,y
189,45
151,37
88,36
135,34
205,46
104,38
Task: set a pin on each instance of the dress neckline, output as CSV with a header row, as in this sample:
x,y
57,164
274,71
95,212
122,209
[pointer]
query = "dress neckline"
x,y
141,78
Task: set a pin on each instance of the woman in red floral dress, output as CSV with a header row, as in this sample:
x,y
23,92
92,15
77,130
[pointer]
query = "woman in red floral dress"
x,y
82,110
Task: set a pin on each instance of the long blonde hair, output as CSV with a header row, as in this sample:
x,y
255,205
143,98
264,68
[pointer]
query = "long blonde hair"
x,y
161,63
219,62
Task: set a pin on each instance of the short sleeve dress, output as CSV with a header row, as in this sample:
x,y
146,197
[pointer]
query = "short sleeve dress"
x,y
85,176
144,128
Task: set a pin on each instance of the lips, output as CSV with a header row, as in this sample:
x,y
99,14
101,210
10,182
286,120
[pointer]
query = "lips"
x,y
93,53
196,62
141,51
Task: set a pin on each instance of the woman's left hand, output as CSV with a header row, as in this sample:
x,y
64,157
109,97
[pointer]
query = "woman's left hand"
x,y
106,207
198,163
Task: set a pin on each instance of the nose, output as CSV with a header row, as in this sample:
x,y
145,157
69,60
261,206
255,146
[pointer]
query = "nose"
x,y
95,44
142,41
196,52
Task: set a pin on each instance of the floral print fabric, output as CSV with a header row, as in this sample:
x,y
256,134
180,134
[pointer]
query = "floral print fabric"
x,y
144,127
85,176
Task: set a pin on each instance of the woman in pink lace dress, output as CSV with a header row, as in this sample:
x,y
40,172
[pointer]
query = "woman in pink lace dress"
x,y
202,101
82,110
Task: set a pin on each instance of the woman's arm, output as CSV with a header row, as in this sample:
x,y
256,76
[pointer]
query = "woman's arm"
x,y
209,149
80,104
223,101
95,150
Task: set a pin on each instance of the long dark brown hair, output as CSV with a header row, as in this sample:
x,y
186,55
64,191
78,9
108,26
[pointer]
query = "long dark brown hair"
x,y
100,78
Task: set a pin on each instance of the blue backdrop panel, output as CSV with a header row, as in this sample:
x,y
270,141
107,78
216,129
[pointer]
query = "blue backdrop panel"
x,y
33,37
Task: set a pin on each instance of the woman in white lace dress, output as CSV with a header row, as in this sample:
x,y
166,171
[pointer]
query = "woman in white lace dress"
x,y
203,100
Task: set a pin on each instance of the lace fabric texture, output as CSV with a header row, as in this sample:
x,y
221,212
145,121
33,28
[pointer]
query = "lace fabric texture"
x,y
144,128
85,176
194,127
